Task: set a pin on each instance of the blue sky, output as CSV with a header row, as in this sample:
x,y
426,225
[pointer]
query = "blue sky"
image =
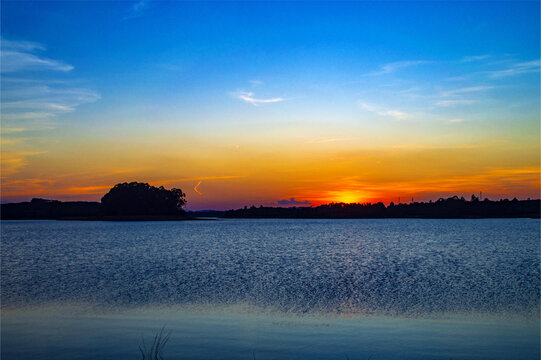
x,y
220,46
264,74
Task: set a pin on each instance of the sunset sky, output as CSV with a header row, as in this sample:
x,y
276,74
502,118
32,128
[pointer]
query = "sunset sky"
x,y
271,103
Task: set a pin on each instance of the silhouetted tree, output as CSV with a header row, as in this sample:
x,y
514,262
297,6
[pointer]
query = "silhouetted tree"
x,y
142,199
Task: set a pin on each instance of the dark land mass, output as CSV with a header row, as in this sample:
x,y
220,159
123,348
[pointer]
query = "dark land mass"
x,y
42,209
451,208
132,202
50,209
124,202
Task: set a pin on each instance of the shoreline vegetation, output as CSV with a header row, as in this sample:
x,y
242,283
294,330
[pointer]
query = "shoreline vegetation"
x,y
143,202
450,208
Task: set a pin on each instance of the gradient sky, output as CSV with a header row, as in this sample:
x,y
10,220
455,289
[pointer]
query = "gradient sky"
x,y
271,102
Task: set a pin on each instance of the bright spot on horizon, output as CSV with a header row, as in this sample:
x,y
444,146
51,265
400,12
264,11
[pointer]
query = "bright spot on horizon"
x,y
347,196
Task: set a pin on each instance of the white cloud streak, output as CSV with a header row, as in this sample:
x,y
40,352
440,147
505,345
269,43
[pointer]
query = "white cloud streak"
x,y
517,69
465,90
29,103
455,97
394,66
474,58
396,114
249,98
18,56
20,45
255,83
44,99
447,103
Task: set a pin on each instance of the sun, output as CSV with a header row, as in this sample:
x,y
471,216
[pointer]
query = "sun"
x,y
346,196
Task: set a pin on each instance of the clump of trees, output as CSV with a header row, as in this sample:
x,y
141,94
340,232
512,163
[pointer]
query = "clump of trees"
x,y
143,199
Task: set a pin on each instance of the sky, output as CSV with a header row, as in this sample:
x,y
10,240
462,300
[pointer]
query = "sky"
x,y
271,103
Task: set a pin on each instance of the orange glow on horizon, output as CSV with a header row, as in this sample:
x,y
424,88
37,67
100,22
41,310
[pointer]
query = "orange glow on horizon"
x,y
346,196
232,178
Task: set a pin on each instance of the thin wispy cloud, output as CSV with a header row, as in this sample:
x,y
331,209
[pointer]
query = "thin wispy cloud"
x,y
367,107
454,102
455,121
8,130
395,66
411,90
170,181
465,90
255,83
30,103
29,115
457,78
15,161
457,96
21,101
474,58
518,69
396,114
96,189
248,97
24,46
19,56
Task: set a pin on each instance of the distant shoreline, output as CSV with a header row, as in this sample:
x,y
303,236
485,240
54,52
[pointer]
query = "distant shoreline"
x,y
451,208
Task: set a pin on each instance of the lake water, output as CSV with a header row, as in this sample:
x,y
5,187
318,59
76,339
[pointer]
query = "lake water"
x,y
272,289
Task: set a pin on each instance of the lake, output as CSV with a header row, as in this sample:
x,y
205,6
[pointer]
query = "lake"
x,y
272,289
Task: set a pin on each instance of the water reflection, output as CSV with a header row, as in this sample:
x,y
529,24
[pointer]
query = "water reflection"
x,y
380,267
73,333
318,289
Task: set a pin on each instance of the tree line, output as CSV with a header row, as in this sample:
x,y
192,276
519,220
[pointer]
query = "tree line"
x,y
141,201
453,207
124,201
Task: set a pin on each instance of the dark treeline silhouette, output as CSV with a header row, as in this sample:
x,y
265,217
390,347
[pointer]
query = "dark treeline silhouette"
x,y
453,207
49,209
126,201
142,199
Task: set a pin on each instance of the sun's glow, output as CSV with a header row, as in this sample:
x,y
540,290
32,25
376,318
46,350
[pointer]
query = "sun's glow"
x,y
347,196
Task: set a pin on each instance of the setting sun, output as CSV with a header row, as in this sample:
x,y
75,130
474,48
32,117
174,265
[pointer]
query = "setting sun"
x,y
347,196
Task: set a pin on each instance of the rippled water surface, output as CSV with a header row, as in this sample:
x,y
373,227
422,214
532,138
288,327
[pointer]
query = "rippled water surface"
x,y
296,283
